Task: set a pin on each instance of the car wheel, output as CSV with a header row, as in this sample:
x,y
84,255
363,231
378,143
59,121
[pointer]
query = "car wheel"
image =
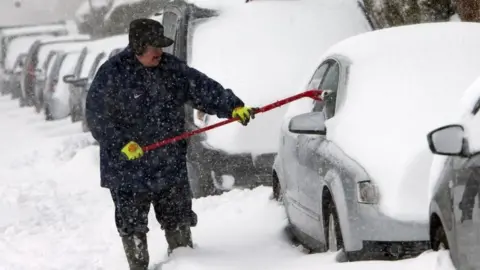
x,y
85,127
439,240
38,104
276,188
48,114
333,232
21,102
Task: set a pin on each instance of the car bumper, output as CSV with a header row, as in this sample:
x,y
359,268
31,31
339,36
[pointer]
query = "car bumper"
x,y
247,171
372,230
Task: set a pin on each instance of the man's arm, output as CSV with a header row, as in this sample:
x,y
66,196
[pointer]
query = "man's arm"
x,y
102,112
208,95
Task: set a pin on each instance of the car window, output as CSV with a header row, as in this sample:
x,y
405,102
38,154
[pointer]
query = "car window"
x,y
87,64
330,82
315,83
472,129
95,64
170,24
331,79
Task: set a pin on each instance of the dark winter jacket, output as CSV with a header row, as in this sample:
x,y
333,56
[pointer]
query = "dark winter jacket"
x,y
128,102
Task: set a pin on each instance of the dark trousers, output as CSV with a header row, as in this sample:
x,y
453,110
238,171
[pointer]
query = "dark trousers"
x,y
172,206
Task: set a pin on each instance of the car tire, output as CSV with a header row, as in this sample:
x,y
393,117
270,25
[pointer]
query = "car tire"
x,y
48,114
276,188
22,102
333,233
85,127
439,240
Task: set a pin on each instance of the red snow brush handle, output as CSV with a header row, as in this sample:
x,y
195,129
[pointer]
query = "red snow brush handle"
x,y
313,94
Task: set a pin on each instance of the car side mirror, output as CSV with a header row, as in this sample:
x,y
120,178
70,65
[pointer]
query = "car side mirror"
x,y
80,82
447,140
68,78
308,123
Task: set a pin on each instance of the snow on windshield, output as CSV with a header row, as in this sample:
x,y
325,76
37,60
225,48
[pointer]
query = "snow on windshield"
x,y
394,99
236,50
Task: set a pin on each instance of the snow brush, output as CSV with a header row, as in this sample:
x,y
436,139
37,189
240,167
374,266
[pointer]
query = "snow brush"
x,y
313,94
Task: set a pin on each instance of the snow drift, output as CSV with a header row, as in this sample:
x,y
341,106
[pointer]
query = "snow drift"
x,y
403,82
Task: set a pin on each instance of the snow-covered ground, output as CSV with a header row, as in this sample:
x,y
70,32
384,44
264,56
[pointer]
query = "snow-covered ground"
x,y
54,215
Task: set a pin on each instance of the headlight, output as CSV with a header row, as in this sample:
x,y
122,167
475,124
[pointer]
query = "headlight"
x,y
367,192
200,118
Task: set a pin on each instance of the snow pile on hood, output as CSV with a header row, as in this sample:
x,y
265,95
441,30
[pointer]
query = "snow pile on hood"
x,y
262,51
403,82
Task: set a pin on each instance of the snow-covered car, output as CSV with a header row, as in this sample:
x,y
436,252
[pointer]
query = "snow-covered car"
x,y
15,47
14,81
88,82
7,35
228,42
38,51
353,170
455,183
56,93
94,52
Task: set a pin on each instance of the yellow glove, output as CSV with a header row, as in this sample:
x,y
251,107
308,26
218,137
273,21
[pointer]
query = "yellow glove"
x,y
244,114
132,151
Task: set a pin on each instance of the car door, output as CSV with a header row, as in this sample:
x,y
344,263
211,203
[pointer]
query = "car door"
x,y
290,155
466,195
311,154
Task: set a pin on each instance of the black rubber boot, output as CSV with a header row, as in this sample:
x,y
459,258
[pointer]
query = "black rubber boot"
x,y
136,249
179,237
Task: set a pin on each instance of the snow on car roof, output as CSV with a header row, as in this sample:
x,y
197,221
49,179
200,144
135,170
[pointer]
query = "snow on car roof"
x,y
403,82
32,29
261,68
19,45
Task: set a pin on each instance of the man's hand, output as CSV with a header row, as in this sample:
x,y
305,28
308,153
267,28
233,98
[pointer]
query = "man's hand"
x,y
244,114
132,151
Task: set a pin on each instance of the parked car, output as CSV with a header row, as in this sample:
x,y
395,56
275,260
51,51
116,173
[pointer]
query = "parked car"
x,y
15,47
93,53
44,63
14,81
88,82
352,170
11,33
56,92
237,156
454,206
31,70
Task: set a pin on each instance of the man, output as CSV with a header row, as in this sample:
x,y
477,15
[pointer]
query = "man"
x,y
137,98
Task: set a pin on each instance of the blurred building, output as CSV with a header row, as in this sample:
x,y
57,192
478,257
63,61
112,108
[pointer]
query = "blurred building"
x,y
36,11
